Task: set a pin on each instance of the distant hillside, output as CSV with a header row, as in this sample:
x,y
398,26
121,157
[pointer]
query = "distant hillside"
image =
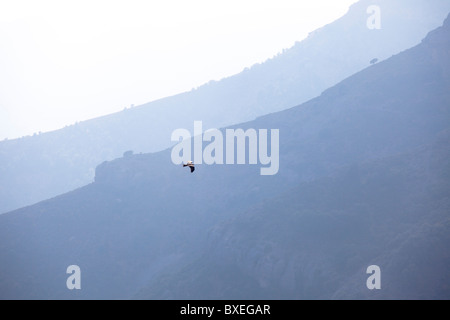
x,y
363,179
45,165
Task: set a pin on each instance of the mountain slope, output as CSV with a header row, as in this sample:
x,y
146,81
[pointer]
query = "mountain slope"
x,y
42,166
363,179
316,240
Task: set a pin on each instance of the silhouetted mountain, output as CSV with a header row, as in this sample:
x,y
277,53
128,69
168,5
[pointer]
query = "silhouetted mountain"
x,y
316,240
45,165
363,179
388,129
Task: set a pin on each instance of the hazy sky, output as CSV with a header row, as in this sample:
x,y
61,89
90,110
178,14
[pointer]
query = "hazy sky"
x,y
66,61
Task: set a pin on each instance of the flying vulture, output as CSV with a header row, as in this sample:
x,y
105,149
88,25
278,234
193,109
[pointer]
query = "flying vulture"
x,y
190,165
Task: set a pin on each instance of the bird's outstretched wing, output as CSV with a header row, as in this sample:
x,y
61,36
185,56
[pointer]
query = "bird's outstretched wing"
x,y
192,168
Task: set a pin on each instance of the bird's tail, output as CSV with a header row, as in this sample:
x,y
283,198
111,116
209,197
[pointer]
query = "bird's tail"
x,y
185,165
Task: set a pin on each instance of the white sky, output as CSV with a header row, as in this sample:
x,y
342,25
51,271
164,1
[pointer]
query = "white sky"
x,y
65,61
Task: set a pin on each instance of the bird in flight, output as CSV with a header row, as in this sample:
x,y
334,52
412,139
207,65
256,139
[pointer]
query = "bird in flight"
x,y
190,164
